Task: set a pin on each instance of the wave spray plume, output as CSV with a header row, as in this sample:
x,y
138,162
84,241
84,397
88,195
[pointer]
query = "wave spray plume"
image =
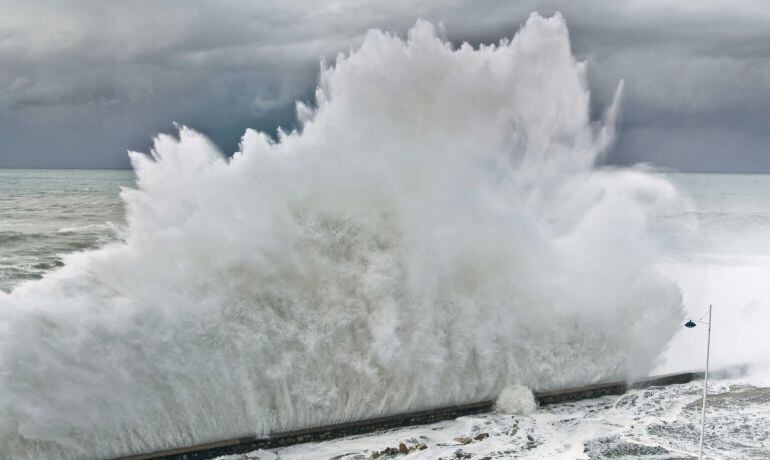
x,y
434,232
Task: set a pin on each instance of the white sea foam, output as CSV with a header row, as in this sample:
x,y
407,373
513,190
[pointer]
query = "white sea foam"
x,y
653,423
434,232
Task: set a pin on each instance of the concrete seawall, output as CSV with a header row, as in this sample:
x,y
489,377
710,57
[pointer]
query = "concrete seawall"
x,y
248,444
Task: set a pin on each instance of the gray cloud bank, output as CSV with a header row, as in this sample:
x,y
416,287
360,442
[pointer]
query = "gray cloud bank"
x,y
83,81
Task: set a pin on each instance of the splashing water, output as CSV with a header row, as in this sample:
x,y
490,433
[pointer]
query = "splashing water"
x,y
435,232
516,399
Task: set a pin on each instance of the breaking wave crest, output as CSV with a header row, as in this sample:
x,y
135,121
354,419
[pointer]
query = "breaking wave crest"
x,y
434,232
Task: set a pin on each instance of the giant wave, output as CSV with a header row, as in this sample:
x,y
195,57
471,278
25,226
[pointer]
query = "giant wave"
x,y
435,230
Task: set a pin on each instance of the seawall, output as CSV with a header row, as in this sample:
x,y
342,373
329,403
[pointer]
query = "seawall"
x,y
323,433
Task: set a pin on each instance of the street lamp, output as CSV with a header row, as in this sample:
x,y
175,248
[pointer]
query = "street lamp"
x,y
691,324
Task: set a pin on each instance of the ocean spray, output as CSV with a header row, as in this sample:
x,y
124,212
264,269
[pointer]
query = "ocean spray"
x,y
434,232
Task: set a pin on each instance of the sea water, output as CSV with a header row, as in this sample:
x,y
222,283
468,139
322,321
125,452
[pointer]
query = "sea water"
x,y
45,214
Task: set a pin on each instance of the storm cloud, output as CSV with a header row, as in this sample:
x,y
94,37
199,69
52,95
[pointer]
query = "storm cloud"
x,y
83,81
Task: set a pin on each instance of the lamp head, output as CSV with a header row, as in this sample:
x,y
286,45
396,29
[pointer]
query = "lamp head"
x,y
689,324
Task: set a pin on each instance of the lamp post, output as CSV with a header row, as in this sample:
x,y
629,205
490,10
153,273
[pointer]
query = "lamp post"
x,y
691,324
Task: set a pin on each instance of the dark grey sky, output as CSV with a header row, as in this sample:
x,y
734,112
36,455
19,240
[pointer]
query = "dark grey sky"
x,y
83,81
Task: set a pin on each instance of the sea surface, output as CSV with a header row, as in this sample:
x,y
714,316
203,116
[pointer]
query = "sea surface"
x,y
46,214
